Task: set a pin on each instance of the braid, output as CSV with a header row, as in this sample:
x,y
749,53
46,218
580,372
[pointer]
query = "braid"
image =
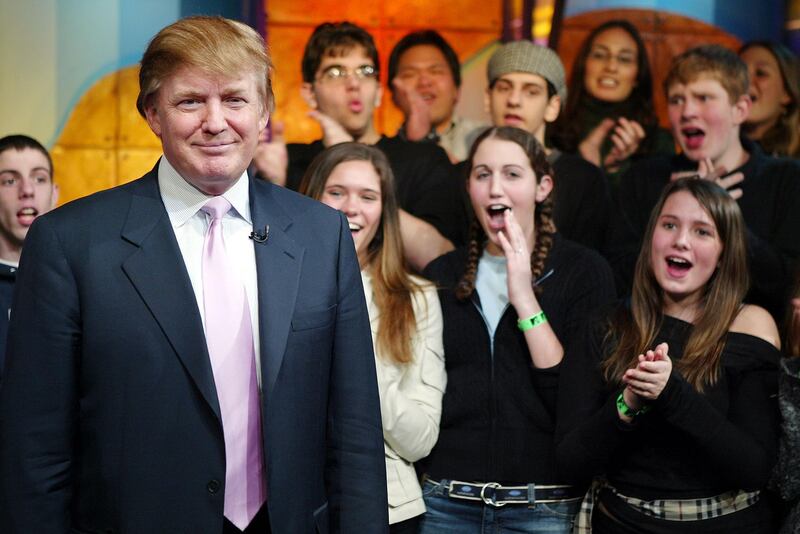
x,y
545,228
477,239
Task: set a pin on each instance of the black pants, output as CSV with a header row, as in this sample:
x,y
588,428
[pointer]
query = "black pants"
x,y
259,524
409,526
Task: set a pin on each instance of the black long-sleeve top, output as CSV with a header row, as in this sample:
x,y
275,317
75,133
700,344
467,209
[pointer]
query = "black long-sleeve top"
x,y
498,412
690,444
770,205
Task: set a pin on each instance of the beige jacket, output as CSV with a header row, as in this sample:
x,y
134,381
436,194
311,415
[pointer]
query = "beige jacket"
x,y
411,400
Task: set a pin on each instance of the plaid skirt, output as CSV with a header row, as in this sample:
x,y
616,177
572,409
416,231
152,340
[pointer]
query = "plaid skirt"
x,y
667,509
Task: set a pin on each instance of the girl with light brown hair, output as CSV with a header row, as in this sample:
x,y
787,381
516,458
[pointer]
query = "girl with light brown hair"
x,y
404,313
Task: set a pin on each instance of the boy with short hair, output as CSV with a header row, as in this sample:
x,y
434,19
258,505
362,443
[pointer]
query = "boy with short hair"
x,y
707,98
425,81
26,191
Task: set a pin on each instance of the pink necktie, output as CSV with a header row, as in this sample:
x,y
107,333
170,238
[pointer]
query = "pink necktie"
x,y
229,335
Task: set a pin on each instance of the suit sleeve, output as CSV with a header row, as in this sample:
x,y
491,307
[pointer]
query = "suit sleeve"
x,y
355,471
38,398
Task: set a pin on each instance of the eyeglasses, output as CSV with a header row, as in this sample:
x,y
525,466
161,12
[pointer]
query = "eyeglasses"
x,y
340,74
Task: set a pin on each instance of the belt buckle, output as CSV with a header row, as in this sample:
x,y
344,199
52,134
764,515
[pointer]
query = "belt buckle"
x,y
491,501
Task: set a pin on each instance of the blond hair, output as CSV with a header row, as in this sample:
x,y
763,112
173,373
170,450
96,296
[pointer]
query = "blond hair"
x,y
214,44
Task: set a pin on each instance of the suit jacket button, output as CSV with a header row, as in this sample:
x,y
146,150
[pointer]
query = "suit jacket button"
x,y
213,486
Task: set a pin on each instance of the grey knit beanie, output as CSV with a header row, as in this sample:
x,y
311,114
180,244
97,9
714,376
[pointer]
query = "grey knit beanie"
x,y
526,56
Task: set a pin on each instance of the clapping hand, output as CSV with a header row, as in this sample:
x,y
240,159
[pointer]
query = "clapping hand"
x,y
626,136
706,171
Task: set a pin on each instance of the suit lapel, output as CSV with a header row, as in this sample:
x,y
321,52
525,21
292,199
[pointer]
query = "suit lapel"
x,y
158,272
278,262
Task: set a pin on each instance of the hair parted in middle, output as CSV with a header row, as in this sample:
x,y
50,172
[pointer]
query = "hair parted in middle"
x,y
544,225
393,286
639,103
336,39
633,331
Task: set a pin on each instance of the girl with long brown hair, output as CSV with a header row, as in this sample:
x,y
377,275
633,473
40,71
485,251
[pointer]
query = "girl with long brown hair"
x,y
672,397
404,312
511,304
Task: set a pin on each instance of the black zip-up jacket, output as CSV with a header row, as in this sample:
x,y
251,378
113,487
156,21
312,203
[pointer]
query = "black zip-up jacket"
x,y
498,413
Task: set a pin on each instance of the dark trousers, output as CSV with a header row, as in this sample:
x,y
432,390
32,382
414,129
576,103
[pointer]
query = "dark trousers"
x,y
409,526
259,524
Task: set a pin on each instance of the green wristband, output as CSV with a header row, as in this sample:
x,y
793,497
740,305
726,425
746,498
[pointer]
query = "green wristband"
x,y
532,322
627,411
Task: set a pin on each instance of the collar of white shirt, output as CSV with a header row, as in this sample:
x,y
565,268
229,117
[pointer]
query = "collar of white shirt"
x,y
182,200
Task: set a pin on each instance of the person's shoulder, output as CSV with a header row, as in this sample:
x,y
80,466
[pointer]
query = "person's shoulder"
x,y
402,150
447,268
778,167
572,162
577,262
757,322
94,208
575,255
294,203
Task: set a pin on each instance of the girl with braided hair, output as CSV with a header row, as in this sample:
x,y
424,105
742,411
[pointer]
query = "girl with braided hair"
x,y
511,304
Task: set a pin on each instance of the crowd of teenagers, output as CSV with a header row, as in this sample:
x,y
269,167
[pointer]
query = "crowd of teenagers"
x,y
582,321
605,350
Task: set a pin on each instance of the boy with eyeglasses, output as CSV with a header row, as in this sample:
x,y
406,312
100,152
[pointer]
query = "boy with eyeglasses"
x,y
341,86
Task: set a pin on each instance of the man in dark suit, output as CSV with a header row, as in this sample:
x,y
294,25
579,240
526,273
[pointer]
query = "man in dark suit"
x,y
191,352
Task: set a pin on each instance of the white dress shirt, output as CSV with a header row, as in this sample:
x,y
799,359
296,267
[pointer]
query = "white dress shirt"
x,y
183,202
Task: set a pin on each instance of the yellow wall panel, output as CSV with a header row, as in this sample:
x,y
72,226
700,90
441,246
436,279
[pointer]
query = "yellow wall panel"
x,y
133,129
135,162
454,14
93,121
313,12
82,171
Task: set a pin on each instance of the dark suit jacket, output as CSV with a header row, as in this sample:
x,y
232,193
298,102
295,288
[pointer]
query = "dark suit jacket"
x,y
109,420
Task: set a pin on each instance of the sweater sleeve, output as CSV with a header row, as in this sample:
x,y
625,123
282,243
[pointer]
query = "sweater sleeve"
x,y
589,430
741,445
411,395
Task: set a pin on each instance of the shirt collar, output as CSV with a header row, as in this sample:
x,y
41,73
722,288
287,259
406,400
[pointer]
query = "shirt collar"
x,y
182,200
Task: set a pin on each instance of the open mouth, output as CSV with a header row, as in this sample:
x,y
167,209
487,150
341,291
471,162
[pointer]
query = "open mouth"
x,y
355,228
512,119
678,267
694,137
27,215
356,106
496,214
608,83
